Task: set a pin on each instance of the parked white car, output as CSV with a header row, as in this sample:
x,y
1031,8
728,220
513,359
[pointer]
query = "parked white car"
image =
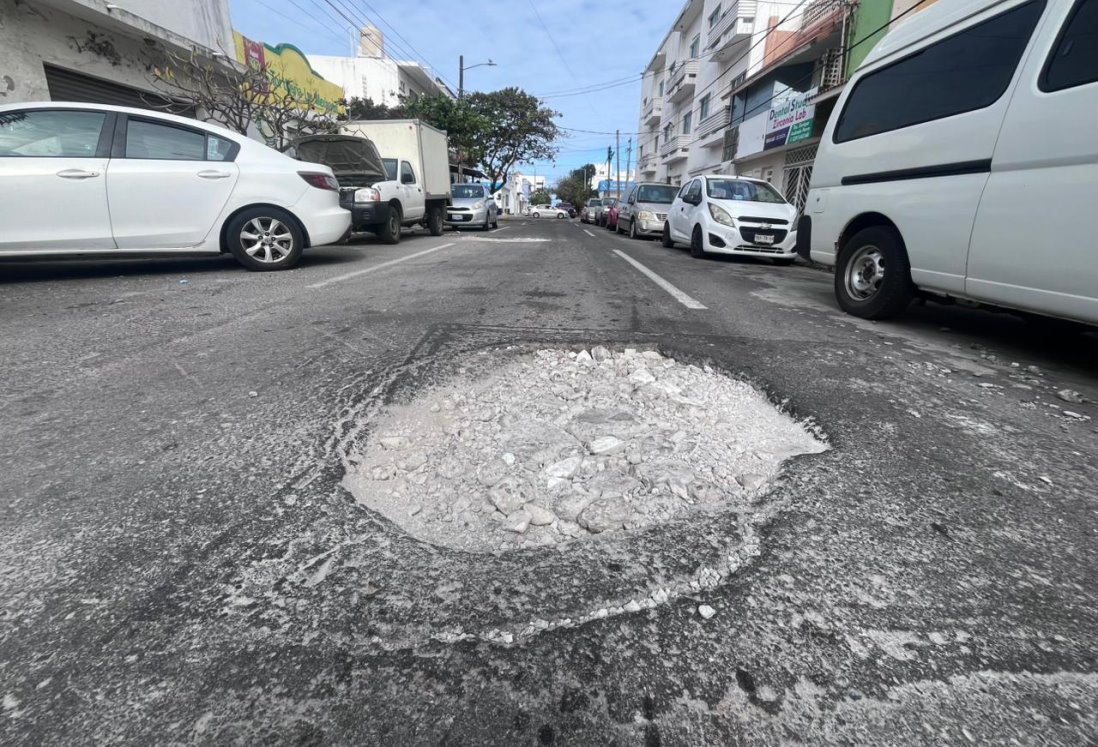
x,y
732,215
549,212
961,162
90,179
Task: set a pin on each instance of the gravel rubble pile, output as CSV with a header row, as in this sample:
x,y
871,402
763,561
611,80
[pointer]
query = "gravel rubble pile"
x,y
558,446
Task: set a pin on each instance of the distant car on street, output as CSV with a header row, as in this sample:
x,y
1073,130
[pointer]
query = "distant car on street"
x,y
589,210
538,211
600,211
612,216
732,215
644,211
568,208
473,206
93,179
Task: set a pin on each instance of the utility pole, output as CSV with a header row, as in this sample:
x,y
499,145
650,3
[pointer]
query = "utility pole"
x,y
617,144
461,77
609,159
628,158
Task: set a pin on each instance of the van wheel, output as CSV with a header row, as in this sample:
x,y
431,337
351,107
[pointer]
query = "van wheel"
x,y
390,232
873,275
697,245
666,238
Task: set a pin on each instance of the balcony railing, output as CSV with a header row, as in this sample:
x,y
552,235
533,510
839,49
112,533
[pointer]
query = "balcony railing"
x,y
714,123
743,11
653,111
647,162
675,147
682,80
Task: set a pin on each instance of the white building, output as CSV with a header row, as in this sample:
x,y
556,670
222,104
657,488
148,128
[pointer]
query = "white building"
x,y
603,174
746,86
374,75
514,197
100,52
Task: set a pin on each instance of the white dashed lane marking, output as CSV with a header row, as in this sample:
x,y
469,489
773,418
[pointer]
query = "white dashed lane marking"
x,y
677,294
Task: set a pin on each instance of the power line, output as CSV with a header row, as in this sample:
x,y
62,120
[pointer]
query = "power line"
x,y
408,43
569,91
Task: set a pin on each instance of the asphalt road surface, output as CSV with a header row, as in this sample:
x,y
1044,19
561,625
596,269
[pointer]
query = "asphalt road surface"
x,y
179,561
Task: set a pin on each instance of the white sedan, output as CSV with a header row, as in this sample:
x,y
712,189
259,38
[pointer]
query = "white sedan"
x,y
90,179
732,215
549,212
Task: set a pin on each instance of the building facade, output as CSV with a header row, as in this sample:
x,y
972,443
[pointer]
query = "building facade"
x,y
372,74
746,87
99,52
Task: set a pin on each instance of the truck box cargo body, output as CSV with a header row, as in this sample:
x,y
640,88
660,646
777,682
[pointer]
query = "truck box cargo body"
x,y
424,146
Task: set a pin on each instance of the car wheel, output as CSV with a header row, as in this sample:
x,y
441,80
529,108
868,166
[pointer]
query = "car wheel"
x,y
535,215
265,239
390,232
435,223
495,221
697,245
617,227
633,230
873,275
560,215
666,238
487,222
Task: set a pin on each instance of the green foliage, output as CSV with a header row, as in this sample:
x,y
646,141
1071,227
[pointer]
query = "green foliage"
x,y
540,197
576,186
519,130
464,126
366,109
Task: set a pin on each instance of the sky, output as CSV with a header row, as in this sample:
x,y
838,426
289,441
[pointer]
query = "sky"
x,y
544,47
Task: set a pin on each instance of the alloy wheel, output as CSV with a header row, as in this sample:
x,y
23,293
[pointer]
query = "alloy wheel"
x,y
267,239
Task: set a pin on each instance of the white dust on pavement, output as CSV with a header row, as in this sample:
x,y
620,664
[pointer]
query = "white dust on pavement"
x,y
560,446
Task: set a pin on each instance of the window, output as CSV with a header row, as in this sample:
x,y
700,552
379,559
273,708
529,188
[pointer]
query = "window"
x,y
704,107
661,87
742,189
687,122
152,140
407,176
694,47
684,190
468,191
390,165
51,133
964,72
1074,59
695,192
714,17
218,149
667,132
658,193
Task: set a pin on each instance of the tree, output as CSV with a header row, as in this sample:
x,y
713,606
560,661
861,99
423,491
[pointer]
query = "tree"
x,y
576,186
540,197
465,128
356,108
519,130
241,99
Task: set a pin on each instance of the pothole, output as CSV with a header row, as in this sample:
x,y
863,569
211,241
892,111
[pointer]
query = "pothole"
x,y
557,446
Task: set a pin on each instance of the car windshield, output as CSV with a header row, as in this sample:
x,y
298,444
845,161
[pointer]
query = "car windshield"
x,y
594,203
742,189
390,168
467,190
659,193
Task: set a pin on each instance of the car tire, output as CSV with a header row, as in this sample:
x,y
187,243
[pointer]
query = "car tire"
x,y
633,230
560,215
666,238
265,239
873,274
535,215
617,227
487,223
495,221
390,231
435,223
697,244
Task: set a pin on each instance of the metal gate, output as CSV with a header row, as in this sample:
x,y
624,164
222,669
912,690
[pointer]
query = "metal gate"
x,y
69,85
798,175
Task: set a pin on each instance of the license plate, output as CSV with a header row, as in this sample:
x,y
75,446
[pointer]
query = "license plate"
x,y
458,218
763,238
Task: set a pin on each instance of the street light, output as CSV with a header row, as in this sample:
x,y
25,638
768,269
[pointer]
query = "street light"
x,y
461,73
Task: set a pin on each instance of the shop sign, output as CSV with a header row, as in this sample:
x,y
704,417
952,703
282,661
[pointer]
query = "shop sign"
x,y
790,120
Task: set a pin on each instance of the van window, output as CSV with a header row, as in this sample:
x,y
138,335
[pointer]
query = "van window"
x,y
407,176
965,72
1074,60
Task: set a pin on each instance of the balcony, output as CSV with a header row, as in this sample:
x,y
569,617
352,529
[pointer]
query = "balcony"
x,y
647,163
710,130
653,111
676,148
682,81
733,29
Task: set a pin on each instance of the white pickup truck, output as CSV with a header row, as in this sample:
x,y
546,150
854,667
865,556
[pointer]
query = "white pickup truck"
x,y
392,173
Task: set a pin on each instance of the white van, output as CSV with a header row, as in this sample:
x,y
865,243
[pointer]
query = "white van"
x,y
962,161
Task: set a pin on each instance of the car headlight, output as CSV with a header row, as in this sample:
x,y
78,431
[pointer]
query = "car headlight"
x,y
367,194
645,215
721,215
478,204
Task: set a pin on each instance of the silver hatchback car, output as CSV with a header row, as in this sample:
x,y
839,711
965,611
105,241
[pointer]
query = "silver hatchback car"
x,y
644,211
472,205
